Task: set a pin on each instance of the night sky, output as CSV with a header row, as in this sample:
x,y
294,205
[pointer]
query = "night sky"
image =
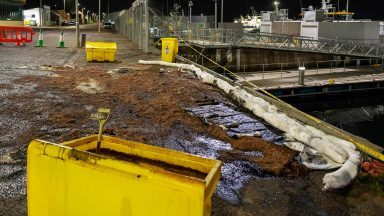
x,y
368,9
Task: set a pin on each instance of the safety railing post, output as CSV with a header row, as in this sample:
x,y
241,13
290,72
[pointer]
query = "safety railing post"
x,y
344,65
317,67
382,62
263,71
281,70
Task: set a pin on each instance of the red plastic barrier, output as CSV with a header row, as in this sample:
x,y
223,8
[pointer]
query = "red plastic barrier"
x,y
16,34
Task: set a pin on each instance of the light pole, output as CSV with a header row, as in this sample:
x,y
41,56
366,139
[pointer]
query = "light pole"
x,y
276,4
215,13
77,24
64,5
222,11
99,16
347,7
41,12
108,10
82,15
190,4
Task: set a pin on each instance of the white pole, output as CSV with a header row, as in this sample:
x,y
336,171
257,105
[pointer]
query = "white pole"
x,y
215,13
64,7
99,16
347,9
190,4
108,10
77,24
222,11
41,12
146,28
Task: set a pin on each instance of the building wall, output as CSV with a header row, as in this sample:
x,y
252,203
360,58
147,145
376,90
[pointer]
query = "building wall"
x,y
266,27
361,31
287,28
310,29
202,19
34,15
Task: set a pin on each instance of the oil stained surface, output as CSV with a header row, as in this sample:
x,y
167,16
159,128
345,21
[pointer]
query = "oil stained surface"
x,y
236,123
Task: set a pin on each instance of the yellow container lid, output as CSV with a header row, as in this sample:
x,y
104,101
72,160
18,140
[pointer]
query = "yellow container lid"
x,y
101,45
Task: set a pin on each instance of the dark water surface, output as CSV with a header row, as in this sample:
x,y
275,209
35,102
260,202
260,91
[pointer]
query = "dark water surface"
x,y
361,114
367,122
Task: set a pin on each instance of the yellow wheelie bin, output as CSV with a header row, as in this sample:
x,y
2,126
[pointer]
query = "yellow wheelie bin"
x,y
170,49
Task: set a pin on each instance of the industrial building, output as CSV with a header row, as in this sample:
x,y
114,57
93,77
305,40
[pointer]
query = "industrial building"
x,y
322,23
32,16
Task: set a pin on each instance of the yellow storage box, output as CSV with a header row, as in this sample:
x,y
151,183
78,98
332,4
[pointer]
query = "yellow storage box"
x,y
170,49
128,178
100,51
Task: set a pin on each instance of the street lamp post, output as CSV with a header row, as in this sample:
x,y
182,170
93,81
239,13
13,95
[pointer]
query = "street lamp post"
x,y
99,16
347,7
77,24
190,4
222,11
64,5
41,12
82,16
276,3
108,10
215,13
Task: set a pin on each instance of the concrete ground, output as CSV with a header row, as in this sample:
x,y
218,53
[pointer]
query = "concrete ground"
x,y
49,93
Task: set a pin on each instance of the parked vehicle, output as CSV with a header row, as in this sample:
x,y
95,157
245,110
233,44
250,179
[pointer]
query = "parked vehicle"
x,y
108,25
72,23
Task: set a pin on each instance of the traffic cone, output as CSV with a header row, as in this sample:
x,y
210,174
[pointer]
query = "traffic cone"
x,y
40,42
61,42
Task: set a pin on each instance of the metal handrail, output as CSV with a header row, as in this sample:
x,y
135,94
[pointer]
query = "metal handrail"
x,y
238,38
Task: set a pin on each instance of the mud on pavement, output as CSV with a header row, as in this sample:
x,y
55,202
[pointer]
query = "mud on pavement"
x,y
149,105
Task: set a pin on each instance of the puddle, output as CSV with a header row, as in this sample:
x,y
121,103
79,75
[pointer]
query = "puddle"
x,y
234,176
237,124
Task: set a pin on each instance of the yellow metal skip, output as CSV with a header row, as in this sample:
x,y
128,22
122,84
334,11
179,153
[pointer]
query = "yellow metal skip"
x,y
101,51
67,180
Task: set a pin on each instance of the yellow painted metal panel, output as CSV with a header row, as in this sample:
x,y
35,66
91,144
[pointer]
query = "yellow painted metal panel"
x,y
170,48
67,180
101,45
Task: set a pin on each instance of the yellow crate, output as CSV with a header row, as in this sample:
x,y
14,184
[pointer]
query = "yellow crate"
x,y
101,51
170,49
67,179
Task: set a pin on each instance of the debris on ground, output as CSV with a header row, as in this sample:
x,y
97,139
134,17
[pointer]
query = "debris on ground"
x,y
90,87
373,167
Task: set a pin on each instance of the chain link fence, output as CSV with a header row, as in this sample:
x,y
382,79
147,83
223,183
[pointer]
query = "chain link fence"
x,y
145,24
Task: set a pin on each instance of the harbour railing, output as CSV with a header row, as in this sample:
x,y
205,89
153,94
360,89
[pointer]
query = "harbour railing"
x,y
238,38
